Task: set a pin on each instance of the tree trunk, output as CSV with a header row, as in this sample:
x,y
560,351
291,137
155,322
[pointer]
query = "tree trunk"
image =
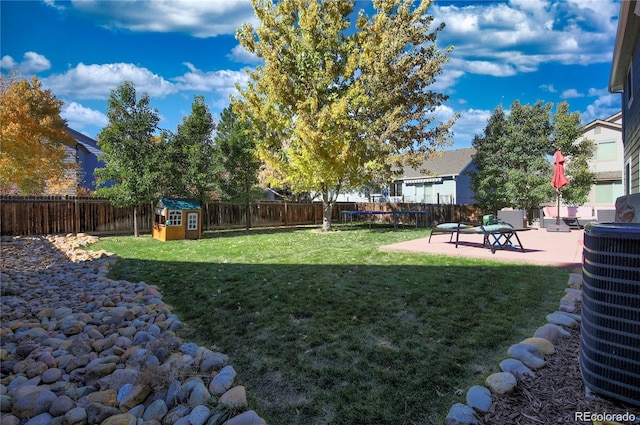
x,y
327,212
136,232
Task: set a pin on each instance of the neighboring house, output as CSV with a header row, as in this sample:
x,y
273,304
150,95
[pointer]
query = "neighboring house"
x,y
84,152
625,79
442,179
607,162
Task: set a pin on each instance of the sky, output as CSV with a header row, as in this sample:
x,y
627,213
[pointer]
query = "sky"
x,y
526,50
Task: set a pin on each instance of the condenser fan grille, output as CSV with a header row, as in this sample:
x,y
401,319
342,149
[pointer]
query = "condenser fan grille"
x,y
610,330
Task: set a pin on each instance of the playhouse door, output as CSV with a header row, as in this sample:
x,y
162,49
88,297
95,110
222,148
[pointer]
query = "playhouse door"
x,y
193,226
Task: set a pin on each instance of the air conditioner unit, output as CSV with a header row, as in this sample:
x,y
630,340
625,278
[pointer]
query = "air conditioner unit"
x,y
610,329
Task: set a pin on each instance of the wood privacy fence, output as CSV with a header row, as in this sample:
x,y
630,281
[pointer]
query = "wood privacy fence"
x,y
51,215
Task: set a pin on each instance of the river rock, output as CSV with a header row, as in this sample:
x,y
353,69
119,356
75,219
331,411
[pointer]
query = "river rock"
x,y
155,411
528,354
199,415
551,332
222,381
544,345
78,348
562,320
479,398
516,368
501,382
461,414
33,403
235,398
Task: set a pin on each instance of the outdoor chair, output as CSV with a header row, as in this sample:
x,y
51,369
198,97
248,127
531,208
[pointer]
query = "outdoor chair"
x,y
495,235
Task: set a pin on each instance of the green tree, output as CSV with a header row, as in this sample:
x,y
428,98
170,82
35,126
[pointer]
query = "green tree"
x,y
130,151
32,137
237,154
512,163
338,105
190,163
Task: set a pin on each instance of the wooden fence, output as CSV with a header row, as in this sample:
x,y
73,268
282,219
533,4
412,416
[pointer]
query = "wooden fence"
x,y
51,215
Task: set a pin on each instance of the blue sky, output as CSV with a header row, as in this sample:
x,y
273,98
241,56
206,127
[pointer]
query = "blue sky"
x,y
529,50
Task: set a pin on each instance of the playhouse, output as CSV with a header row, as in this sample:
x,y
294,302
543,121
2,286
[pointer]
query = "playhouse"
x,y
177,219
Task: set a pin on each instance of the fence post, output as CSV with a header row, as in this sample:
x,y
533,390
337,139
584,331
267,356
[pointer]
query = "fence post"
x,y
286,212
76,205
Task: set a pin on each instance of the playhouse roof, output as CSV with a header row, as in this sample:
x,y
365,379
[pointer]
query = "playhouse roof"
x,y
178,204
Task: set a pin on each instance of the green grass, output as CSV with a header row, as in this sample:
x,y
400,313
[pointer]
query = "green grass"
x,y
327,329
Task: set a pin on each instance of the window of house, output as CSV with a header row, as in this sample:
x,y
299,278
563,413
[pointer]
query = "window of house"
x,y
608,192
192,221
396,188
175,218
605,151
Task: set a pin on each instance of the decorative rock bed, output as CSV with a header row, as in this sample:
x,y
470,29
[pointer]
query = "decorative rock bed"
x,y
77,348
524,358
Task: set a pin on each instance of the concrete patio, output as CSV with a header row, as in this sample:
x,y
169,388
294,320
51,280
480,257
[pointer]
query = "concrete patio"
x,y
562,249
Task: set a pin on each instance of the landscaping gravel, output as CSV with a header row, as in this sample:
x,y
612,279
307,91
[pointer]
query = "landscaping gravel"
x,y
77,348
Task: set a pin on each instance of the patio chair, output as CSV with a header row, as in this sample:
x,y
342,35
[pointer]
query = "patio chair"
x,y
495,235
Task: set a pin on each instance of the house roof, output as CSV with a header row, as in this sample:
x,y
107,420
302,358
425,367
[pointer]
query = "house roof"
x,y
627,38
178,204
614,122
445,163
87,142
609,175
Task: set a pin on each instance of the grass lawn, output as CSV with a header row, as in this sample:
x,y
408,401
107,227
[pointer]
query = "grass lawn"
x,y
327,329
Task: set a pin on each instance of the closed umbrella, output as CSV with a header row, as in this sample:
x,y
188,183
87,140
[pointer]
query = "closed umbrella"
x,y
559,180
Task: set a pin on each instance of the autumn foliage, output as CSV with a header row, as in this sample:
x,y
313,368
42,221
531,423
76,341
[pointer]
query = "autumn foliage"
x,y
32,139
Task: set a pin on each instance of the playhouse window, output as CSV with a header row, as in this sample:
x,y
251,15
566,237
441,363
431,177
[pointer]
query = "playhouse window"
x,y
192,221
175,218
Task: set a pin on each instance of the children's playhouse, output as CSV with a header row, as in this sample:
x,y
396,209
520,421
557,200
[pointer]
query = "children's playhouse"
x,y
177,219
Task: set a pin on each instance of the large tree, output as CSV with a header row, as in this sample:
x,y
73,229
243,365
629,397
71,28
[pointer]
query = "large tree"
x,y
130,150
512,162
236,152
32,138
190,165
337,105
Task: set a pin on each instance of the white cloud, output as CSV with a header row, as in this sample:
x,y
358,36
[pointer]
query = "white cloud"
x,y
502,39
97,81
489,68
447,79
7,62
471,123
593,92
241,55
195,17
221,82
604,106
33,63
548,87
56,5
79,117
571,94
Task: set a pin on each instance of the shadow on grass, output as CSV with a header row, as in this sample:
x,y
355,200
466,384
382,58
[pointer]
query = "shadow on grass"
x,y
355,344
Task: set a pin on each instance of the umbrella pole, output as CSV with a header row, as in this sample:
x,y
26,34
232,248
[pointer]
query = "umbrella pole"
x,y
558,212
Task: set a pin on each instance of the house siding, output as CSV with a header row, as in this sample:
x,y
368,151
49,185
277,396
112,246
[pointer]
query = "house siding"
x,y
608,169
465,195
631,127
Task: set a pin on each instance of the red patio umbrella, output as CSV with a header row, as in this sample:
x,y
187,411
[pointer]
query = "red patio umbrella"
x,y
559,180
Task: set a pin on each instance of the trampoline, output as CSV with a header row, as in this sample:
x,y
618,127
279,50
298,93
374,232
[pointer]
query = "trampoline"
x,y
351,214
